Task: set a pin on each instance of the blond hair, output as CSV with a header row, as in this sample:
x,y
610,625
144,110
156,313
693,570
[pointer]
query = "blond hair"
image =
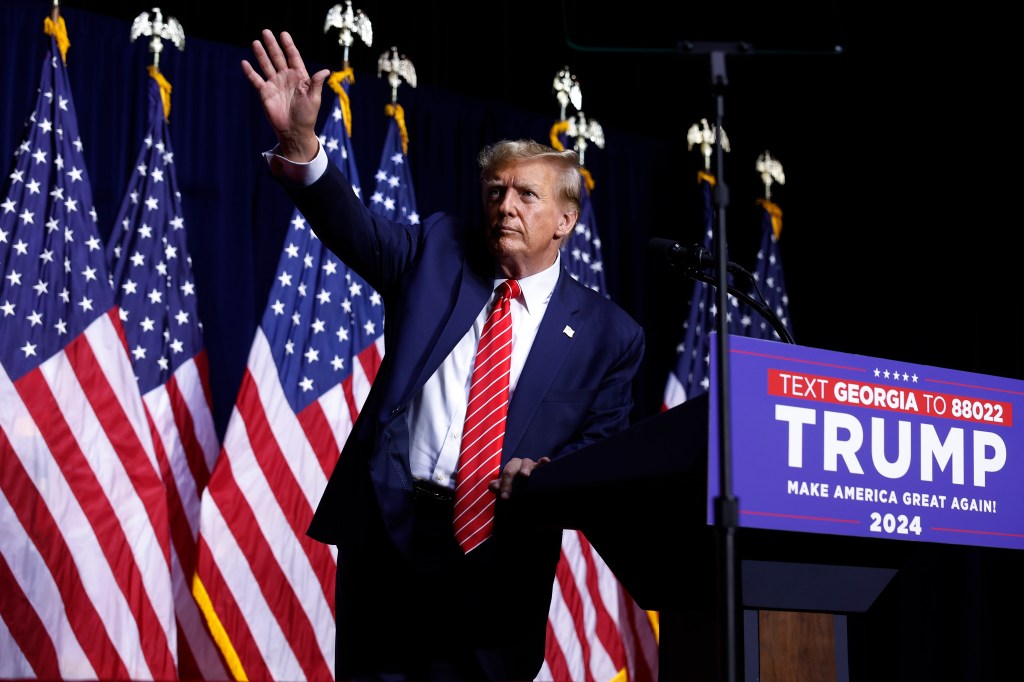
x,y
567,162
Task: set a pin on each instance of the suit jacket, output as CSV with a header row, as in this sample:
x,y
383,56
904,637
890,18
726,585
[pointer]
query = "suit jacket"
x,y
575,388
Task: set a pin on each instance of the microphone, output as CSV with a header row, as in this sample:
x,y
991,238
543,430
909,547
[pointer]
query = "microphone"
x,y
695,259
692,257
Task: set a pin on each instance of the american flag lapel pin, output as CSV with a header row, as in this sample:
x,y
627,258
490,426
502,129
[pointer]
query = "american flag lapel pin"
x,y
568,331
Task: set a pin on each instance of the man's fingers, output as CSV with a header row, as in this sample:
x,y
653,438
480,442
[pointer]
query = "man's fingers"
x,y
291,53
529,465
275,58
250,73
516,467
262,57
317,81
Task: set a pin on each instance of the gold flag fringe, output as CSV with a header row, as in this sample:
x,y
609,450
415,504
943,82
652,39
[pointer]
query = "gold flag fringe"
x,y
398,113
165,88
775,212
59,31
556,143
336,80
556,130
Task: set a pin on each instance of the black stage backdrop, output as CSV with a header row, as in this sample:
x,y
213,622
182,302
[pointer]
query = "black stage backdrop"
x,y
901,221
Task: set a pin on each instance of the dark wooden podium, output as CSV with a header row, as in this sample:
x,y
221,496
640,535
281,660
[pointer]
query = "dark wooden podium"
x,y
640,497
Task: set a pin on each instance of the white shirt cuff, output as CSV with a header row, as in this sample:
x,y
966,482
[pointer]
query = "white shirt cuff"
x,y
303,174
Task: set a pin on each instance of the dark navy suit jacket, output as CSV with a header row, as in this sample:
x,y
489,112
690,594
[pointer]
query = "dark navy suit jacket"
x,y
435,278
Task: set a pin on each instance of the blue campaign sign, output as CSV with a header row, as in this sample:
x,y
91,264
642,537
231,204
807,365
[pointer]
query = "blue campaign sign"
x,y
828,442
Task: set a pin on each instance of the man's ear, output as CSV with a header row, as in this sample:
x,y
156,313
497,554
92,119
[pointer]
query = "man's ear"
x,y
567,222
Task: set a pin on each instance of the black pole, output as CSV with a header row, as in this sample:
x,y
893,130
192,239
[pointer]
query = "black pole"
x,y
726,505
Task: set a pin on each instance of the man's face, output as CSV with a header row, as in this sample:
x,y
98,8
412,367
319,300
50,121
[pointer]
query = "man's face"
x,y
526,219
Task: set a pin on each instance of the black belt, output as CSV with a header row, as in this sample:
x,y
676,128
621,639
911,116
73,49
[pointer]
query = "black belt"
x,y
425,491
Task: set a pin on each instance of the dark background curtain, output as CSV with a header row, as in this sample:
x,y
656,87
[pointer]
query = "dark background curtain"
x,y
236,216
900,235
901,221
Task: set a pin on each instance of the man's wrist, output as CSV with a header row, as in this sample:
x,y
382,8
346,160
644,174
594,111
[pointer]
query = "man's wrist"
x,y
297,172
299,150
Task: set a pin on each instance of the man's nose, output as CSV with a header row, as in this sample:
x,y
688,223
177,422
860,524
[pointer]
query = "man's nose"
x,y
508,203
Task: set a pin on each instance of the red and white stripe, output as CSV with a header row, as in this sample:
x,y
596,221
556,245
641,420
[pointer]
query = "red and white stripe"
x,y
186,441
84,542
596,632
266,588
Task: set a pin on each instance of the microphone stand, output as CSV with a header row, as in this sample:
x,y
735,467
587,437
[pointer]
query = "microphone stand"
x,y
726,505
758,306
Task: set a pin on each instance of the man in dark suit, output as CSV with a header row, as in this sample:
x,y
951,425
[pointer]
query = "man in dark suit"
x,y
412,601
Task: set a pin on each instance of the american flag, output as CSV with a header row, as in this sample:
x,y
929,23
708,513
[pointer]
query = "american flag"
x,y
582,249
266,588
768,272
394,196
151,273
595,630
689,378
85,545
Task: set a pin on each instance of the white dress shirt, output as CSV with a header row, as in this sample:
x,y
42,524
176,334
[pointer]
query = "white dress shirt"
x,y
437,413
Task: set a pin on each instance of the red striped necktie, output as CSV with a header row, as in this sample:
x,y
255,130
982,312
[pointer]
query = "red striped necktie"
x,y
484,431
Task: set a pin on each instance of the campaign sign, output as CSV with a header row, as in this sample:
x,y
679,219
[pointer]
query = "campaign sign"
x,y
827,442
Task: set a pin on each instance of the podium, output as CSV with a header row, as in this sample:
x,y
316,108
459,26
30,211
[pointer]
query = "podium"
x,y
836,527
640,498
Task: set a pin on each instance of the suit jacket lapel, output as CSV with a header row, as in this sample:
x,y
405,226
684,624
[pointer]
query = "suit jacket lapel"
x,y
474,291
550,349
